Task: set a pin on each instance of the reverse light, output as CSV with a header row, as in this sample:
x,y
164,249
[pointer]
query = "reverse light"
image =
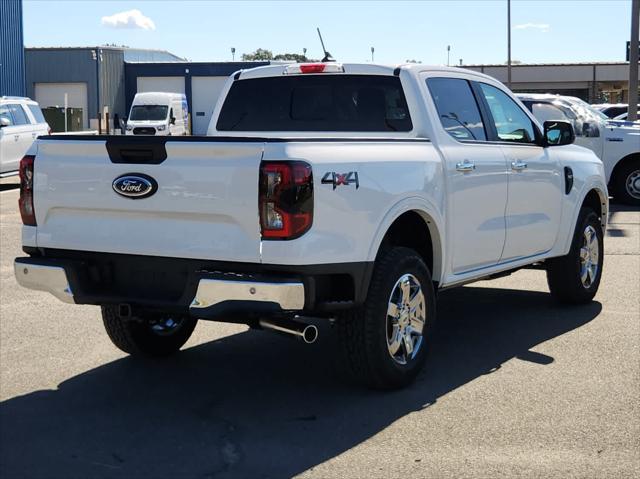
x,y
286,199
25,202
297,68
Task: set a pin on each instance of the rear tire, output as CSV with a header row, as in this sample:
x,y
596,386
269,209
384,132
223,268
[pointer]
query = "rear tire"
x,y
626,184
383,350
575,278
152,335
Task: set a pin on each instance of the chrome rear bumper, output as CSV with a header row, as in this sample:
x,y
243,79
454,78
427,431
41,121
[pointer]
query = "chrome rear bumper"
x,y
52,279
210,292
289,296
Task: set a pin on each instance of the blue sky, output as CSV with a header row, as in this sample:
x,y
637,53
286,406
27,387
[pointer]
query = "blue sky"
x,y
542,31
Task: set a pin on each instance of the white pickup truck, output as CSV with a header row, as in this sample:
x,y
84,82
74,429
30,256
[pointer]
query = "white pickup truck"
x,y
345,192
616,143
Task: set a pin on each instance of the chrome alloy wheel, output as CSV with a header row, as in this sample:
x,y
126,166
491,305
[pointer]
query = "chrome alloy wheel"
x,y
589,256
633,184
406,315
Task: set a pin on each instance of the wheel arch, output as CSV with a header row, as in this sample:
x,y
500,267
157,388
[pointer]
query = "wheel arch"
x,y
618,166
597,199
413,224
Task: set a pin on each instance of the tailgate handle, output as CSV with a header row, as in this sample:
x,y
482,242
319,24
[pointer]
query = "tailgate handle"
x,y
137,156
136,149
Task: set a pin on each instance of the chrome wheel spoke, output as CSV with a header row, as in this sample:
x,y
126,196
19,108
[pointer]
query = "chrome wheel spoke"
x,y
396,341
393,310
584,254
417,324
405,286
408,345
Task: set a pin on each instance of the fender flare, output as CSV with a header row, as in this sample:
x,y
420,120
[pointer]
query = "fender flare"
x,y
594,183
433,220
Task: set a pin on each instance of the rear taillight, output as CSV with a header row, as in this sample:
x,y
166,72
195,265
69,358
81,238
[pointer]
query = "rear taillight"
x,y
25,202
286,199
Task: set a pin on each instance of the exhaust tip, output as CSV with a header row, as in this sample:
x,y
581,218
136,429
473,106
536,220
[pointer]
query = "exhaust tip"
x,y
310,334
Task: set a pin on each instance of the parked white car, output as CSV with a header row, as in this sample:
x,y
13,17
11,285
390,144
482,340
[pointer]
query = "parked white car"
x,y
158,113
617,144
342,192
21,122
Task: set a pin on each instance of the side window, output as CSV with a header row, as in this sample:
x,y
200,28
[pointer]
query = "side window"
x,y
37,113
511,122
19,116
457,108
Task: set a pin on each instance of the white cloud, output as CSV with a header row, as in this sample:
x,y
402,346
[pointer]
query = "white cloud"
x,y
129,19
543,27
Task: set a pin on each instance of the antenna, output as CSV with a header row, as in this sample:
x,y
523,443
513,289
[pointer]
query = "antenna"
x,y
327,55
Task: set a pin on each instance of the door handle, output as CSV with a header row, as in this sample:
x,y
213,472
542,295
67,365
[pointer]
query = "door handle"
x,y
466,166
518,165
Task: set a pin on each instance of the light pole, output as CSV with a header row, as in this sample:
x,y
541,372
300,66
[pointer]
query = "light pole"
x,y
448,52
233,54
372,50
633,61
461,62
509,44
304,53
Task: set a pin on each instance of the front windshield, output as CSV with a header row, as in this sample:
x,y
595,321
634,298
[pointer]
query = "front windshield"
x,y
148,112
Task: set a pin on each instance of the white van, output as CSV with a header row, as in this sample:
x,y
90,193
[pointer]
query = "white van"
x,y
21,122
158,113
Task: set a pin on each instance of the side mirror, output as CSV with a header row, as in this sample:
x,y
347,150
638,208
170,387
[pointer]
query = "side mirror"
x,y
4,121
172,120
558,133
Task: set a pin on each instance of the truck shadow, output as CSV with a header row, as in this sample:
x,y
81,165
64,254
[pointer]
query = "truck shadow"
x,y
256,405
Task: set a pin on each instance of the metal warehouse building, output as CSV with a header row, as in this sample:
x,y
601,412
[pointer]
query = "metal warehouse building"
x,y
593,82
201,82
93,78
90,77
11,49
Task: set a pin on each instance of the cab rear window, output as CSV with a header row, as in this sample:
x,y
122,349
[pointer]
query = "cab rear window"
x,y
363,103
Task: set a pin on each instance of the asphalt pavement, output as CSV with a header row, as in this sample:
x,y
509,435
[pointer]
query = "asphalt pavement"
x,y
516,386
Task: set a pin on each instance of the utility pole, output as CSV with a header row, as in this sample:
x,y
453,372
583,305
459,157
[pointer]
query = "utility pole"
x,y
509,44
448,52
633,61
233,54
372,50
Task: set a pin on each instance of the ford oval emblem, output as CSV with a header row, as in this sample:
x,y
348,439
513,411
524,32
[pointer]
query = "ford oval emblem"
x,y
135,185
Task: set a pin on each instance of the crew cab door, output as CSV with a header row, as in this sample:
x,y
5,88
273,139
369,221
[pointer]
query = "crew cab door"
x,y
535,177
476,173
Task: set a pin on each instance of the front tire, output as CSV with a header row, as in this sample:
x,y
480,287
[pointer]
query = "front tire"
x,y
153,335
626,184
384,344
575,278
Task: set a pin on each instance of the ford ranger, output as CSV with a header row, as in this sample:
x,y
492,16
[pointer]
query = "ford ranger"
x,y
344,192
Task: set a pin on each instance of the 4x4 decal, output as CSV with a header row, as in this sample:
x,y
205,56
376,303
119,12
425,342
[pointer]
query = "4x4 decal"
x,y
337,179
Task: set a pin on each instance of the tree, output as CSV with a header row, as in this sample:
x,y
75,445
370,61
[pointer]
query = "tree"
x,y
294,56
262,54
259,55
413,61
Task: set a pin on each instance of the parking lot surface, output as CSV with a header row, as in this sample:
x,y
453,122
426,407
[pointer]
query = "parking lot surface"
x,y
516,386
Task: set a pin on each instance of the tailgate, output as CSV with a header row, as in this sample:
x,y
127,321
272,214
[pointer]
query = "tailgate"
x,y
205,205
